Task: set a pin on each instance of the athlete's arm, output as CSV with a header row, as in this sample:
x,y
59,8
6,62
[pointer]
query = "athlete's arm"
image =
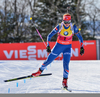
x,y
52,33
77,33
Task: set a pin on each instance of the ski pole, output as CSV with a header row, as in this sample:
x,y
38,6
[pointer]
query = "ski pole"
x,y
40,36
38,32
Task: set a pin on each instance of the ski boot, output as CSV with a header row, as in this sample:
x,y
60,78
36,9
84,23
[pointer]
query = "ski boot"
x,y
64,83
37,73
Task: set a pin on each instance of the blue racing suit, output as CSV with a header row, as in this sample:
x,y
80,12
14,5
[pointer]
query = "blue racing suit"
x,y
63,45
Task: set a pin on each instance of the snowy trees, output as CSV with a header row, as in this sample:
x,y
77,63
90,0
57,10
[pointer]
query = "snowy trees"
x,y
15,24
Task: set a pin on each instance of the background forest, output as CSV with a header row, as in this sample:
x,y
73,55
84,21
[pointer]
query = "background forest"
x,y
16,26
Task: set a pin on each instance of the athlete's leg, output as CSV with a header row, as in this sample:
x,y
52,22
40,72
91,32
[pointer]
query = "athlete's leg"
x,y
58,48
66,60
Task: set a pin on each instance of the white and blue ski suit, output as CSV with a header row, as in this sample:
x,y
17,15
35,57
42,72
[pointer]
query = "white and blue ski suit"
x,y
63,45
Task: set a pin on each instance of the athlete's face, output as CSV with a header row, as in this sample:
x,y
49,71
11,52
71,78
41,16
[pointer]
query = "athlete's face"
x,y
67,23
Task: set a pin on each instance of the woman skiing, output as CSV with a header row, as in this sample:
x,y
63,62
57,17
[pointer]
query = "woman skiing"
x,y
65,31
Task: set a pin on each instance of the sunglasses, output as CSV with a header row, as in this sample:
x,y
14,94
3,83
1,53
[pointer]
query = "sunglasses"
x,y
67,22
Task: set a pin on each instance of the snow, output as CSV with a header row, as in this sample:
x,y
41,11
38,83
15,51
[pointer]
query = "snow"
x,y
84,77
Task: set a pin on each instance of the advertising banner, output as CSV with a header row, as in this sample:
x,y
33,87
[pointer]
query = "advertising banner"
x,y
89,52
37,51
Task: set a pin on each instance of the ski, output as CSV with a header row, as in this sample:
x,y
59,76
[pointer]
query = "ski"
x,y
67,89
25,77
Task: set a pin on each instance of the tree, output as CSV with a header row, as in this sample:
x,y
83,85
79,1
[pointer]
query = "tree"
x,y
93,13
13,21
4,24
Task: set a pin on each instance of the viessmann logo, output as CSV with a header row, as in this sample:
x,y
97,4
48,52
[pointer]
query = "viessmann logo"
x,y
88,43
32,53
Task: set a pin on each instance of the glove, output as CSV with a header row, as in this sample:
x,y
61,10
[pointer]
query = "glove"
x,y
81,50
48,49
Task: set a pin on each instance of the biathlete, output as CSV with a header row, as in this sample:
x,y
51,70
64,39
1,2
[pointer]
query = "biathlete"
x,y
65,31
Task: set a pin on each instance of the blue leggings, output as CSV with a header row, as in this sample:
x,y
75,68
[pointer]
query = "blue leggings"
x,y
59,48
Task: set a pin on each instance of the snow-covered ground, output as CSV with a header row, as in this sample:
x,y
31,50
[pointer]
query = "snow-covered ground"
x,y
84,77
